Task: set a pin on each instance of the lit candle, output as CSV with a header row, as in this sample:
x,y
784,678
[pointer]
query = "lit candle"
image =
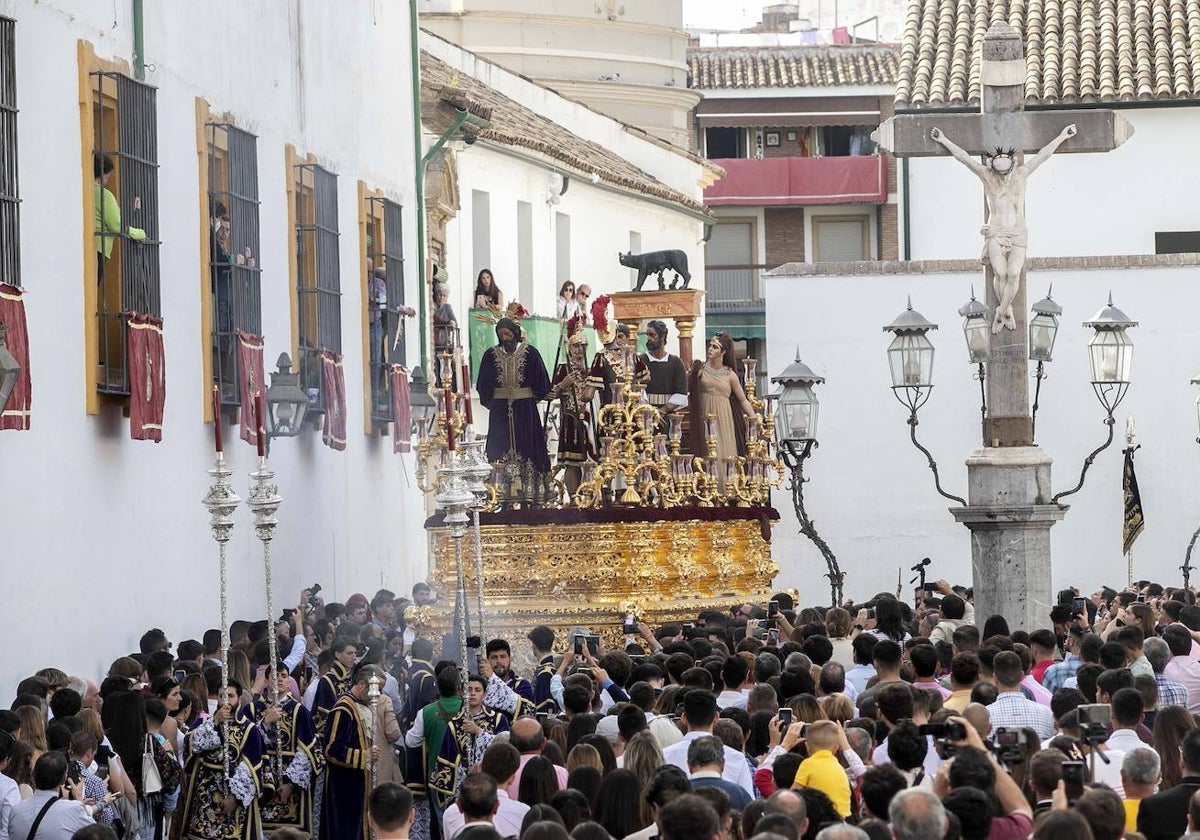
x,y
217,418
261,436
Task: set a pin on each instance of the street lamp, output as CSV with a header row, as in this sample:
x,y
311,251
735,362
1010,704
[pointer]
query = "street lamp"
x,y
910,357
796,422
287,404
977,330
1186,568
1110,352
1043,330
423,406
10,369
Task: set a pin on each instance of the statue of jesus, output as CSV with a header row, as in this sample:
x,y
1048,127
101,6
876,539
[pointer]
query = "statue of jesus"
x,y
1005,237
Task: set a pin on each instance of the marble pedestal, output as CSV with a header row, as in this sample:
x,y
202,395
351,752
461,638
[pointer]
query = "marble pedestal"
x,y
1009,516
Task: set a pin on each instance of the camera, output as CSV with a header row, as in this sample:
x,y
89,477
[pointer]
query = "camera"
x,y
1094,714
474,642
944,735
1074,775
1010,743
313,592
1093,721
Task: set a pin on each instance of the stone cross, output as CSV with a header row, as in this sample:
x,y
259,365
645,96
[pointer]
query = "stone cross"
x,y
1001,133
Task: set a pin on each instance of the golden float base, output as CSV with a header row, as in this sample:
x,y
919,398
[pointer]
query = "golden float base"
x,y
592,568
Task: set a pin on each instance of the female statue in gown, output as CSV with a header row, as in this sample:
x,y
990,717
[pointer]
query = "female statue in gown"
x,y
714,388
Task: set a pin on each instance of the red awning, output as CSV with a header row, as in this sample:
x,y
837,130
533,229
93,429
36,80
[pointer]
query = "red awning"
x,y
857,179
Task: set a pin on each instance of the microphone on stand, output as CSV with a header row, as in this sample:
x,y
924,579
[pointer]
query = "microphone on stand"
x,y
921,565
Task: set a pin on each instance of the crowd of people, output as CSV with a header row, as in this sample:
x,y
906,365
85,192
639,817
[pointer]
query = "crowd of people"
x,y
766,721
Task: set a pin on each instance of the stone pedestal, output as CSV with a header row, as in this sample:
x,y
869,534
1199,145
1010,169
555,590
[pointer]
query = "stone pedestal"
x,y
1009,517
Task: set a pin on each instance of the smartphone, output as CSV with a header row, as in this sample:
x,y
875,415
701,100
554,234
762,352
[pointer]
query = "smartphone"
x,y
772,609
180,675
1074,775
579,646
629,628
1141,599
785,718
931,587
593,643
773,636
871,613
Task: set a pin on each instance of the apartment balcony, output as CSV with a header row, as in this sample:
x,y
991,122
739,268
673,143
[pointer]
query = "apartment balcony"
x,y
796,181
733,300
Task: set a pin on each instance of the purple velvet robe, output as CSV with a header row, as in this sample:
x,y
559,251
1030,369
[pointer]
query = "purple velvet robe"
x,y
514,424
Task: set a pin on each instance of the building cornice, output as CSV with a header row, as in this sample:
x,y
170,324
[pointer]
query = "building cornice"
x,y
1115,262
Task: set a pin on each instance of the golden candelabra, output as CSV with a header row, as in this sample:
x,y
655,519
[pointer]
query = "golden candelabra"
x,y
641,466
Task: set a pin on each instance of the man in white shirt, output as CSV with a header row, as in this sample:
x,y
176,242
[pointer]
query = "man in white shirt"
x,y
734,674
390,812
483,798
700,713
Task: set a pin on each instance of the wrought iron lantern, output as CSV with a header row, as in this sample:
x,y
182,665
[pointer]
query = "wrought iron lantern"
x,y
1110,352
977,330
1043,328
796,416
910,357
287,404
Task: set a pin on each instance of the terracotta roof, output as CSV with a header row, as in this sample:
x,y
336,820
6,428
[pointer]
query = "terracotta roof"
x,y
1075,50
515,125
785,67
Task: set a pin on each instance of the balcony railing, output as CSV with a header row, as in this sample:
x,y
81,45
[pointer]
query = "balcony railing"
x,y
797,181
733,287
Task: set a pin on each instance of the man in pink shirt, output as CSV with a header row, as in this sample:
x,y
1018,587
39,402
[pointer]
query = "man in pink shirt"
x,y
1182,668
924,660
528,737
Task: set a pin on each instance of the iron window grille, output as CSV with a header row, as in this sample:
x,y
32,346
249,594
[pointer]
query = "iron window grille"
x,y
235,284
10,206
385,322
129,280
318,282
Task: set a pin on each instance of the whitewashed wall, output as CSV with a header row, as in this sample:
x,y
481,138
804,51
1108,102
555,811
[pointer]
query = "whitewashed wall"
x,y
1076,204
872,495
601,219
105,537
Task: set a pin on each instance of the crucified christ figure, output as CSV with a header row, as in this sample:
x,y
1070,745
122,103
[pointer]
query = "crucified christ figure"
x,y
1005,237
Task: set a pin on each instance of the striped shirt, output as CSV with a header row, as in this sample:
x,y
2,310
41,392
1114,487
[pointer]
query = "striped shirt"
x,y
1013,710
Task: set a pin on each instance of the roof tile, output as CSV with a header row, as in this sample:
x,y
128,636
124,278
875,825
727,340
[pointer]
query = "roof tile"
x,y
714,68
515,125
1075,50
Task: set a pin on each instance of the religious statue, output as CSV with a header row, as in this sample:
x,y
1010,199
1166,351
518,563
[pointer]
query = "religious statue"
x,y
715,391
574,389
512,381
1005,237
666,389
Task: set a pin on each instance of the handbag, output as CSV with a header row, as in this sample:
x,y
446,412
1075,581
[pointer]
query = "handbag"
x,y
168,768
151,779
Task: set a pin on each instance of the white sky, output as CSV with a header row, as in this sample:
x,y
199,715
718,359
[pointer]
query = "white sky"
x,y
730,15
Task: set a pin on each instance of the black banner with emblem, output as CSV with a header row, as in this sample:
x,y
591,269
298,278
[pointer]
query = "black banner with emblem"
x,y
1134,521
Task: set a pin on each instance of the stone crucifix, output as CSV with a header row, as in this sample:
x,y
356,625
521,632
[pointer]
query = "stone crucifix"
x,y
1001,134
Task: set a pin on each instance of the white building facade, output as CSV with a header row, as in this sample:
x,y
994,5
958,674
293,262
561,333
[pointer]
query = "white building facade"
x,y
539,218
105,536
1119,222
